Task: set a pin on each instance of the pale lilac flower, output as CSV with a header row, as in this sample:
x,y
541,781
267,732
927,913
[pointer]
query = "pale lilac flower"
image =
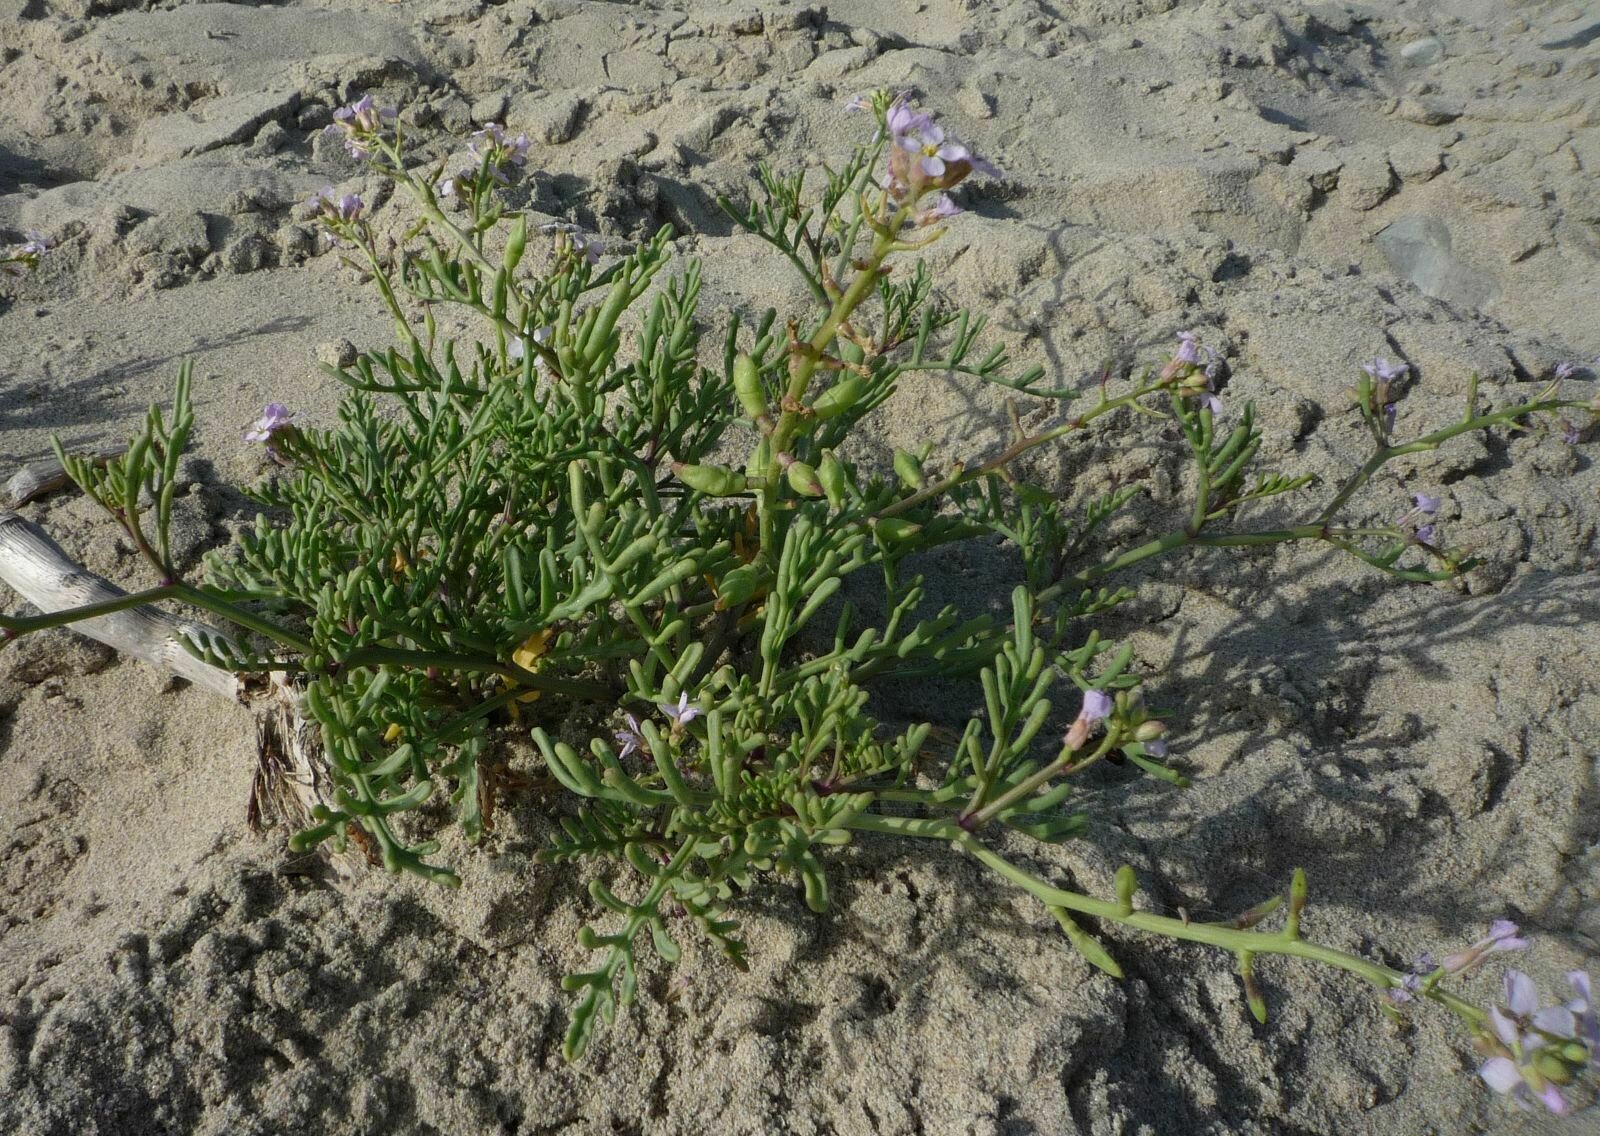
x,y
1570,433
903,121
584,245
461,183
34,244
1385,371
1211,402
1566,370
1156,747
680,712
630,739
1502,936
275,418
859,102
492,144
1504,1076
1423,506
1097,706
933,152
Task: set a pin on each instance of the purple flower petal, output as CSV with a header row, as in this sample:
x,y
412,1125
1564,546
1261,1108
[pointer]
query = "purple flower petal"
x,y
1500,1074
1556,1021
1550,1096
1097,705
1522,995
1504,1027
1381,368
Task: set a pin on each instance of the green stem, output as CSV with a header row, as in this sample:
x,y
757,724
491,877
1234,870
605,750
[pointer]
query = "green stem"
x,y
1432,442
1216,935
15,625
1025,788
404,657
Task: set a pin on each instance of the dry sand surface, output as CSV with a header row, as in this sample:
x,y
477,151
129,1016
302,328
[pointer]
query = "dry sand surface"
x,y
1307,184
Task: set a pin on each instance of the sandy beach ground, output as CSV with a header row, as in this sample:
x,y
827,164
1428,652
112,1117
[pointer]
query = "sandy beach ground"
x,y
1308,185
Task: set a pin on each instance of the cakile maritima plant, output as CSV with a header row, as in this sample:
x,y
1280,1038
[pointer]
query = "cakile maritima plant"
x,y
539,528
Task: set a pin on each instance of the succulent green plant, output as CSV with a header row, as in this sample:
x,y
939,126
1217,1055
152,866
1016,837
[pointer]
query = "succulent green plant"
x,y
542,524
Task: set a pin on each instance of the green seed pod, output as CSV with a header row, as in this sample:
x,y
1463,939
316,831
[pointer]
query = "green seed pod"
x,y
839,398
747,385
497,302
515,244
831,475
803,480
713,480
897,529
760,463
909,469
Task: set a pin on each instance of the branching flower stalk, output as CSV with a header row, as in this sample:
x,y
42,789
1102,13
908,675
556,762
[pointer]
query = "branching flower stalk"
x,y
534,528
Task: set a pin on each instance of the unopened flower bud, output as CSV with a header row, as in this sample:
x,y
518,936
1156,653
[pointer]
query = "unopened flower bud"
x,y
1553,1068
1150,731
803,479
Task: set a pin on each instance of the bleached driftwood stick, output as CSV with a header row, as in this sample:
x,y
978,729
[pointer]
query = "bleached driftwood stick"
x,y
41,573
291,770
46,477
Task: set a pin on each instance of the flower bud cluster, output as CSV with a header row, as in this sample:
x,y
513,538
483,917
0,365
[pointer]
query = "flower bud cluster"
x,y
1377,390
363,124
1193,370
337,212
574,238
1418,517
924,159
495,157
1533,1052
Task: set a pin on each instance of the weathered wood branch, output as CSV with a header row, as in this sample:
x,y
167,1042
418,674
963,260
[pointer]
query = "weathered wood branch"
x,y
41,573
291,768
